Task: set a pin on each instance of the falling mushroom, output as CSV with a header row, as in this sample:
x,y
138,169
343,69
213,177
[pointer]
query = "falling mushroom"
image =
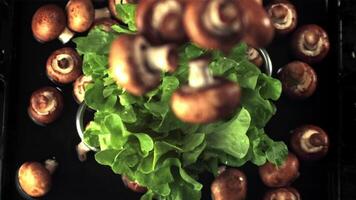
x,y
254,56
283,15
104,24
310,142
136,65
113,3
299,80
64,65
280,176
35,179
46,105
79,88
231,184
48,23
288,193
133,185
206,98
310,43
214,24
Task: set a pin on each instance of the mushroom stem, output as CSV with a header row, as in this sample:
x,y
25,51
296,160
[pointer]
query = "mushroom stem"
x,y
311,40
51,165
162,58
63,63
317,140
66,35
280,13
102,13
199,74
82,150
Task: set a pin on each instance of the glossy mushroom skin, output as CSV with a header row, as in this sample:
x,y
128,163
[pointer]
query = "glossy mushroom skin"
x,y
310,142
214,24
287,193
48,22
80,15
254,56
104,24
299,80
280,176
132,185
112,6
231,184
79,88
310,43
283,16
34,179
46,105
259,30
64,65
161,21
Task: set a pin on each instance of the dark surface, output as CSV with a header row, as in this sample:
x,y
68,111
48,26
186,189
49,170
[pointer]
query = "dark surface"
x,y
27,141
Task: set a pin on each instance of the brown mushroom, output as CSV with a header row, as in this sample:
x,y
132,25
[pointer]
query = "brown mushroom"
x,y
34,179
206,98
310,142
254,56
258,27
46,105
48,23
280,176
299,80
81,14
214,24
104,24
79,88
64,65
133,185
161,21
231,184
113,3
260,2
283,15
136,66
310,43
288,193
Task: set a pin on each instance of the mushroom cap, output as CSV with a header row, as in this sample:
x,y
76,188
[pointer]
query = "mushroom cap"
x,y
133,185
34,179
282,194
104,24
46,105
259,30
317,150
79,87
280,176
64,65
199,33
48,23
231,184
311,33
206,104
80,14
128,67
161,21
281,9
112,6
299,80
254,56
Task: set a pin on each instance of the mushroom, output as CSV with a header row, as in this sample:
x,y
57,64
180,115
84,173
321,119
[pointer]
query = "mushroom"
x,y
137,66
254,56
310,142
280,176
206,98
113,3
160,21
34,179
48,23
81,14
283,15
104,24
260,2
310,43
64,65
288,193
133,185
79,88
231,184
82,149
258,27
299,80
46,105
214,24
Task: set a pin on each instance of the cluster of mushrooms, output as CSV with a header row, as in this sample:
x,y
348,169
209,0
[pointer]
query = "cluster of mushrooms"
x,y
137,61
